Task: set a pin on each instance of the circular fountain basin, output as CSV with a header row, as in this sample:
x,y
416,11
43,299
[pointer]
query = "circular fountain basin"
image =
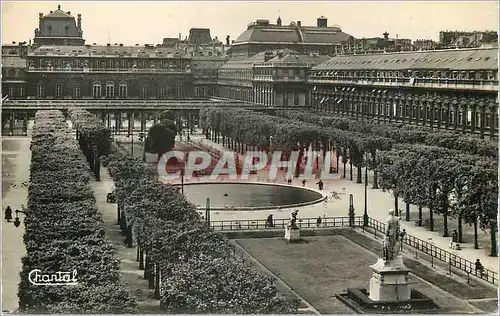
x,y
249,196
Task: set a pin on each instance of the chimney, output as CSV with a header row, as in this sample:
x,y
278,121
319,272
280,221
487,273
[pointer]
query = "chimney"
x,y
227,40
322,22
299,23
79,22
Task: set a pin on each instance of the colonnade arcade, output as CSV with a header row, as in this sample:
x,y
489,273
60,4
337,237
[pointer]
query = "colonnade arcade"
x,y
115,120
475,114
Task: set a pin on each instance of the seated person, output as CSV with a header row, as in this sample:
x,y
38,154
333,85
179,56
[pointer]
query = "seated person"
x,y
479,267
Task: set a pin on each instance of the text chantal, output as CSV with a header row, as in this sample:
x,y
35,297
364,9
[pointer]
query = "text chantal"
x,y
36,277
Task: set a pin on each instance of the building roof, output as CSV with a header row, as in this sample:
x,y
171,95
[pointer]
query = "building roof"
x,y
242,62
113,50
13,62
459,59
295,58
323,35
263,32
59,14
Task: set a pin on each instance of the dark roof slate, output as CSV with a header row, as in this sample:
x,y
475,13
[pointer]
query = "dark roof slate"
x,y
456,59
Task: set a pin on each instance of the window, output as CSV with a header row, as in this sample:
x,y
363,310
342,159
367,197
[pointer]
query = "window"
x,y
144,92
77,92
58,90
163,92
110,90
122,90
96,91
40,90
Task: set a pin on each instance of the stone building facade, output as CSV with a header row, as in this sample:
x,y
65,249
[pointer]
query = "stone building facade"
x,y
449,89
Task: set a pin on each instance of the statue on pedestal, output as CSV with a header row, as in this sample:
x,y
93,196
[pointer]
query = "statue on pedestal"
x,y
292,231
392,234
293,220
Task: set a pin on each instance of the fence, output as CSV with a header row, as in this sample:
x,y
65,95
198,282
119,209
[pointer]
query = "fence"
x,y
445,256
326,222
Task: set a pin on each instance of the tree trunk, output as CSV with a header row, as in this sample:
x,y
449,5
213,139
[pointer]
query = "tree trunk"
x,y
445,223
141,260
146,266
493,234
460,233
350,170
396,206
420,216
476,244
431,219
407,207
157,282
358,180
375,173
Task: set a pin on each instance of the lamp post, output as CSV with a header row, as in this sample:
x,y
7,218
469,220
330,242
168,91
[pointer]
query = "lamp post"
x,y
17,221
182,177
225,195
351,210
143,139
207,212
365,215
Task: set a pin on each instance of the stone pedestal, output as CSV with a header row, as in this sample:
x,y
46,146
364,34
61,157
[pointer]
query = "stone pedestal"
x,y
389,281
292,234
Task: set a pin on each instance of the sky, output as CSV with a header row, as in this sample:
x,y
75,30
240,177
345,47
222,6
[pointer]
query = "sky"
x,y
142,22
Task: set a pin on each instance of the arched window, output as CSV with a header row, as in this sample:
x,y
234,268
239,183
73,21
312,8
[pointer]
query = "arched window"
x,y
96,92
110,90
122,90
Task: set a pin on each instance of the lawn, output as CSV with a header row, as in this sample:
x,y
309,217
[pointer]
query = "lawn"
x,y
327,265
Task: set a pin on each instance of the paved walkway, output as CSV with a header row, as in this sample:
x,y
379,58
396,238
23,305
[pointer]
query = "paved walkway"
x,y
16,160
131,275
379,203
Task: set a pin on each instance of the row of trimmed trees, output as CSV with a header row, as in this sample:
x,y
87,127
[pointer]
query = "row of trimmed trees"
x,y
64,230
191,268
450,160
453,185
243,130
361,145
399,132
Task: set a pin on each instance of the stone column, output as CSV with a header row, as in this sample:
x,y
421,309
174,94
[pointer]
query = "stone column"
x,y
473,118
493,116
465,114
482,119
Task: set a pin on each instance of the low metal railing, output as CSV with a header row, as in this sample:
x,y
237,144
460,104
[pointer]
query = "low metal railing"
x,y
326,222
445,256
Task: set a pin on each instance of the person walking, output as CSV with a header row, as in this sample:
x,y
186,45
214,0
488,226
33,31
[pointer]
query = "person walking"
x,y
304,182
8,214
289,180
454,236
320,184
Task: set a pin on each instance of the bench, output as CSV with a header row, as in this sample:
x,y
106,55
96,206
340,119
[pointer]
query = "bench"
x,y
454,245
